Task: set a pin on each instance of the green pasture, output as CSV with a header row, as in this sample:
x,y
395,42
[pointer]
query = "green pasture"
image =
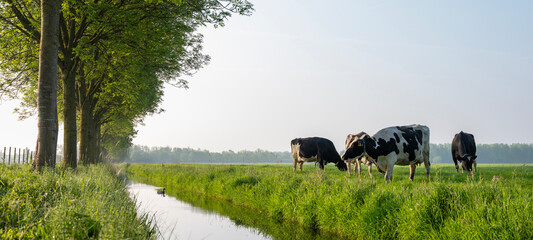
x,y
495,203
87,203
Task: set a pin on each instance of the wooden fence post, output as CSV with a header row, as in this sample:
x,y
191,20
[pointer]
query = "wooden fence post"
x,y
4,158
19,155
9,157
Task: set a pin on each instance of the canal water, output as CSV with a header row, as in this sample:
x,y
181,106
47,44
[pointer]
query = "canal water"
x,y
176,219
184,215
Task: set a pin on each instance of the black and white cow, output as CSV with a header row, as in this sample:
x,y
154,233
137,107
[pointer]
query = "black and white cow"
x,y
315,149
464,150
405,145
351,139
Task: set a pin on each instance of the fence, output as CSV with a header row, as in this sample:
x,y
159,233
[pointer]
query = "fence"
x,y
24,156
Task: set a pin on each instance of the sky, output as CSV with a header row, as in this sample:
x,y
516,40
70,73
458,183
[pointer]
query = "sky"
x,y
330,68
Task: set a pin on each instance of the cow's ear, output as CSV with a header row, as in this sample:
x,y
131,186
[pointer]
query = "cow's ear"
x,y
359,143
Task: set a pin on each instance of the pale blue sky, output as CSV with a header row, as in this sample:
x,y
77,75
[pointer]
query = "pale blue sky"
x,y
329,68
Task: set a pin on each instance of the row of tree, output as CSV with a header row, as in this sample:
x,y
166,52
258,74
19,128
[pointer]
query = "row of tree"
x,y
439,153
114,58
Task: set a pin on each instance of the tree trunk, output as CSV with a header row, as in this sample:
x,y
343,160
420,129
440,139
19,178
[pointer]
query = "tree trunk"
x,y
47,89
87,132
98,150
69,110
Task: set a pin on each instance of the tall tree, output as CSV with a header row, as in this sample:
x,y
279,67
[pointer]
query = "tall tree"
x,y
161,46
109,30
45,154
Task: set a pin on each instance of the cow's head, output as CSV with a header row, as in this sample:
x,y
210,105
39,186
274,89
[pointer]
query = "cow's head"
x,y
341,165
354,151
467,161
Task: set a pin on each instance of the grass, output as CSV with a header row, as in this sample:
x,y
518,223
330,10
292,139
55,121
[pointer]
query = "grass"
x,y
87,203
494,204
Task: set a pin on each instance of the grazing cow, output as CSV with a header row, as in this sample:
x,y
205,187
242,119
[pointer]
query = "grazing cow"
x,y
315,149
464,150
405,145
351,139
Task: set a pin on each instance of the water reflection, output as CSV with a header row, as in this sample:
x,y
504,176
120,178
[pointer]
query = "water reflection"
x,y
179,220
196,217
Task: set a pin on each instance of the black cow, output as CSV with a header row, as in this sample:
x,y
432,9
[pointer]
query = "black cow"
x,y
315,149
405,145
464,150
352,139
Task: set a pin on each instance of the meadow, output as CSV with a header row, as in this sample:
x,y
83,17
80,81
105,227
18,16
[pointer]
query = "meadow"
x,y
495,203
88,203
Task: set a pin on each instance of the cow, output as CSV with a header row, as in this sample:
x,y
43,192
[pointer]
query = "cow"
x,y
403,145
351,139
464,150
315,149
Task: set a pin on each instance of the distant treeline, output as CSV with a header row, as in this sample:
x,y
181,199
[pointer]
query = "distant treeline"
x,y
440,153
142,154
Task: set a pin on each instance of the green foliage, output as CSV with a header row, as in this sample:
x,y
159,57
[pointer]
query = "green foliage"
x,y
493,204
118,55
90,202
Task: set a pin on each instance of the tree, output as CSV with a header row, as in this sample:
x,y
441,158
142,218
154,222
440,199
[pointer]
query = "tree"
x,y
95,39
45,153
159,46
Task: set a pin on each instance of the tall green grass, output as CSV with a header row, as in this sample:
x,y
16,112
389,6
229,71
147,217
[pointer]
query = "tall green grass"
x,y
88,203
493,204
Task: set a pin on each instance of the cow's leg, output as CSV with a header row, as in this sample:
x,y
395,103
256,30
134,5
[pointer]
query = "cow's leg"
x,y
427,164
455,161
358,165
348,164
388,174
390,161
320,158
370,170
295,158
412,169
301,164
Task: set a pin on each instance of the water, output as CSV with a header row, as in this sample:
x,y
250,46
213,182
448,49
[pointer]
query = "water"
x,y
177,219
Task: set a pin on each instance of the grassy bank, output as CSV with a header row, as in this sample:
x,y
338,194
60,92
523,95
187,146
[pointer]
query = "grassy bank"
x,y
90,202
495,204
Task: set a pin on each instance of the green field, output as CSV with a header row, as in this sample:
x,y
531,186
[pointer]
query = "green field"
x,y
87,203
494,204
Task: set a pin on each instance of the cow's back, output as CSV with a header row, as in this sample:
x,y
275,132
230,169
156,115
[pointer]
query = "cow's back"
x,y
469,143
412,143
328,151
462,144
354,137
305,147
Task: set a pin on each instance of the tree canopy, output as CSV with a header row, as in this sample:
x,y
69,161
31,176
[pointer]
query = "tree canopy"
x,y
114,57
